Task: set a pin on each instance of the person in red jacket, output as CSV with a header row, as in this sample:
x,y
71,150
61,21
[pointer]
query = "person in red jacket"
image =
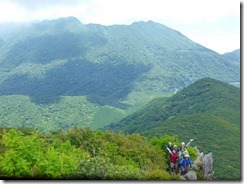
x,y
173,161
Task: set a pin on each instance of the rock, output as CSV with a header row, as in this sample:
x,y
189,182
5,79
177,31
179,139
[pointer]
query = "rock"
x,y
207,165
191,175
198,162
195,167
204,165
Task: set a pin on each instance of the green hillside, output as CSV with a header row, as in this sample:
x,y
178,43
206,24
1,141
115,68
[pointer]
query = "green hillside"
x,y
115,69
19,111
208,110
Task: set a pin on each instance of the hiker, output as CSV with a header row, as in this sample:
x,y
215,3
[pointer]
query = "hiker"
x,y
185,164
170,146
176,149
173,161
183,149
173,147
185,146
182,153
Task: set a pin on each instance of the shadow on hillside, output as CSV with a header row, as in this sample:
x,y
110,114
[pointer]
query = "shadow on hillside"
x,y
42,49
104,84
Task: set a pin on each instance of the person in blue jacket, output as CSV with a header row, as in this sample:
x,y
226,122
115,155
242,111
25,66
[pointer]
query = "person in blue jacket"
x,y
185,164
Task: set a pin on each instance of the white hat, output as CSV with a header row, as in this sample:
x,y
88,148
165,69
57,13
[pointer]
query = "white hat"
x,y
186,155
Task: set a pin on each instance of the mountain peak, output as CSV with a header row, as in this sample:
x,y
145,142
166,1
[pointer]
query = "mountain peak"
x,y
145,22
234,55
150,23
62,20
69,19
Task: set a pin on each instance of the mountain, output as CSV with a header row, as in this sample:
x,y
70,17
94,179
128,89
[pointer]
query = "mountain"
x,y
234,55
207,110
65,73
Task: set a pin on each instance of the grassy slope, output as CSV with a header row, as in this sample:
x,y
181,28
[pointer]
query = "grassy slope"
x,y
208,111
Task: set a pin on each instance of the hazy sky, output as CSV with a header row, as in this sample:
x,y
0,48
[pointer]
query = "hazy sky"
x,y
212,23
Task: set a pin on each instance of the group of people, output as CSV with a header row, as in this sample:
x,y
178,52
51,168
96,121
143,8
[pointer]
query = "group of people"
x,y
179,158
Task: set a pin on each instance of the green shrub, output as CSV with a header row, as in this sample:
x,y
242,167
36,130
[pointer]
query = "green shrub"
x,y
159,174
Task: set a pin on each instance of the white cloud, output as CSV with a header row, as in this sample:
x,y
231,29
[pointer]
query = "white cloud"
x,y
59,11
120,11
184,12
29,10
11,12
33,5
220,43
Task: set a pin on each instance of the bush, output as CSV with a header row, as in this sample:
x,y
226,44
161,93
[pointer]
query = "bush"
x,y
159,174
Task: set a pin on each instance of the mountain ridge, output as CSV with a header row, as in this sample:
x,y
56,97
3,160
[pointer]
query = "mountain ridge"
x,y
182,103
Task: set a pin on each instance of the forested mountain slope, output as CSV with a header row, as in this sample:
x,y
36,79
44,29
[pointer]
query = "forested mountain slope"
x,y
113,69
235,55
208,110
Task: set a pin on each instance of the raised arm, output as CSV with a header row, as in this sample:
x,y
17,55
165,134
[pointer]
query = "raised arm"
x,y
169,150
189,142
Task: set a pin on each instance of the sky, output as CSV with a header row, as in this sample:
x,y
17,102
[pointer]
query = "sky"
x,y
214,24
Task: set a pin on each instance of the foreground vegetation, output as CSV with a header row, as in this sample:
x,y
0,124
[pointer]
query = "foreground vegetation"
x,y
81,153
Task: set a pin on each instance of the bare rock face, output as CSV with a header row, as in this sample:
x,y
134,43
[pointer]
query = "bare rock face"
x,y
197,165
207,165
204,164
191,175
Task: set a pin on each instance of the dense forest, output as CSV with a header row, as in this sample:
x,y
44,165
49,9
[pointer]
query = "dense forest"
x,y
80,153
